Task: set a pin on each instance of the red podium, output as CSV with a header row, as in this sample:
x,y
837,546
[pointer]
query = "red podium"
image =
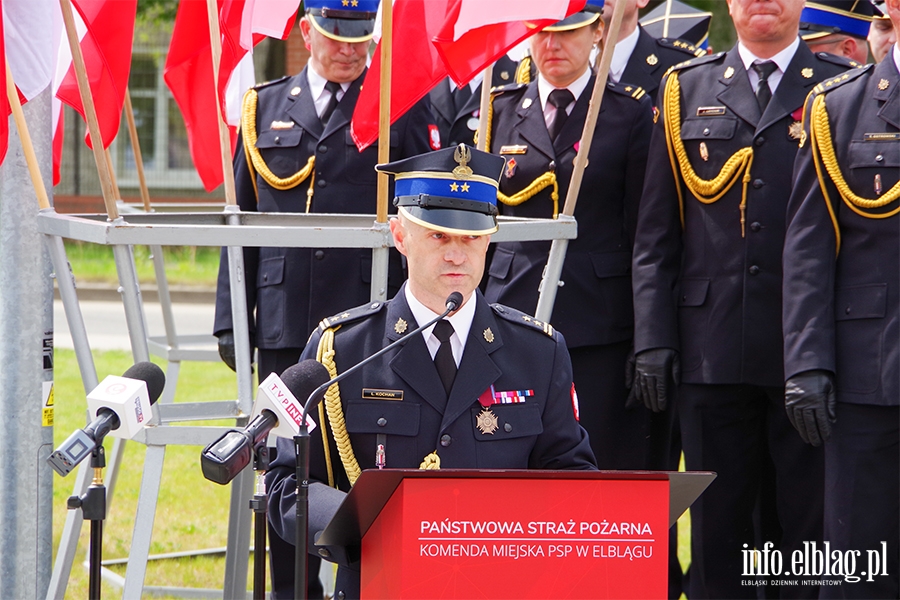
x,y
513,534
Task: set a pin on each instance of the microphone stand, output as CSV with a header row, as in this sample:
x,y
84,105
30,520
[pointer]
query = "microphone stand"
x,y
301,449
258,505
93,508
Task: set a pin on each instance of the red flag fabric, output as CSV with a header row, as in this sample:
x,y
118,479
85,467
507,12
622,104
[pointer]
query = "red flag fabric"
x,y
106,46
434,38
4,102
188,73
477,33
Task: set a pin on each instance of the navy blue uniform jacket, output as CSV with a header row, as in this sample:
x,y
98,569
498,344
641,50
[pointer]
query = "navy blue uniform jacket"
x,y
540,433
594,305
292,289
842,310
705,290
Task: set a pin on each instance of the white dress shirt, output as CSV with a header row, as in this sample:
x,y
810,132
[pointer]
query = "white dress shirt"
x,y
782,60
461,321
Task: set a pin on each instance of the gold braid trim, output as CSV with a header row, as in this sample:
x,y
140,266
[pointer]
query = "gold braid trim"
x,y
813,140
523,71
432,462
248,125
706,191
534,188
325,355
328,464
821,133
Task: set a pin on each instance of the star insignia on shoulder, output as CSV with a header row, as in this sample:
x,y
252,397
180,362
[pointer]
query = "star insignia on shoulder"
x,y
526,318
729,73
345,315
806,73
652,60
628,88
488,335
400,325
883,84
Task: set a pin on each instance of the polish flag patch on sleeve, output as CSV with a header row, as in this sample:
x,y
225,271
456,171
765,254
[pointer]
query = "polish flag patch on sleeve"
x,y
434,137
575,403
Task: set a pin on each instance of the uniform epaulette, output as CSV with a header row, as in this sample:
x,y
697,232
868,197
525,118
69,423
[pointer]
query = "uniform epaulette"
x,y
626,89
839,60
509,87
700,60
354,314
681,46
265,84
838,80
525,320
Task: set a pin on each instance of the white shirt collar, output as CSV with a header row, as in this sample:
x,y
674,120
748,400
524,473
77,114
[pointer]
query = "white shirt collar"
x,y
896,54
461,321
624,50
782,60
576,87
317,89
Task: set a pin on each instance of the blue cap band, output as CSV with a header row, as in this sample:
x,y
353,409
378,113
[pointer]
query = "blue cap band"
x,y
464,189
858,26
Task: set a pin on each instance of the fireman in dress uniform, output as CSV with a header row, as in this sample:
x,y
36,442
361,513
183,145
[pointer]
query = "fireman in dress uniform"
x,y
842,311
295,154
488,387
707,285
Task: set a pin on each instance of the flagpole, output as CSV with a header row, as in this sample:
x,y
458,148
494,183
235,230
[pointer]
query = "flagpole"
x,y
557,256
215,43
484,106
384,110
136,150
90,112
34,170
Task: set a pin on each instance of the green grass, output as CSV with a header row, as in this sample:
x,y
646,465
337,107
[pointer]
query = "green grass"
x,y
192,512
185,265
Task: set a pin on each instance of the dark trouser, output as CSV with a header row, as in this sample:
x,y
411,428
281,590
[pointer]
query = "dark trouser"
x,y
862,497
623,439
276,361
730,429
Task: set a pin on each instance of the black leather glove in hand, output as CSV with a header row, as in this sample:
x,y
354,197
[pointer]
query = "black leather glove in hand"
x,y
809,400
656,373
226,349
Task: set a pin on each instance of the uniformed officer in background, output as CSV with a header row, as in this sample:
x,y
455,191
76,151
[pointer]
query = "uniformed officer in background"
x,y
487,387
881,33
457,110
707,285
296,155
641,59
842,311
593,307
839,27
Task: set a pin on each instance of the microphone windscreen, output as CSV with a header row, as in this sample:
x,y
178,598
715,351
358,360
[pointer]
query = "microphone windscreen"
x,y
303,378
456,299
150,374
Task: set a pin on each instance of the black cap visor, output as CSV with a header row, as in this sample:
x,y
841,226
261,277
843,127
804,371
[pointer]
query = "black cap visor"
x,y
343,30
454,222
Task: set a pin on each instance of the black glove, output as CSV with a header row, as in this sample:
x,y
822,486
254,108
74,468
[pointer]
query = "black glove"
x,y
226,349
809,400
656,373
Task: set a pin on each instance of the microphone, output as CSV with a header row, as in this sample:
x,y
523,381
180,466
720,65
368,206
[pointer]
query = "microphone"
x,y
276,411
120,406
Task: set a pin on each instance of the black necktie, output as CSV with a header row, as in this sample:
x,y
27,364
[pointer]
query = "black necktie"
x,y
334,88
561,99
763,91
443,360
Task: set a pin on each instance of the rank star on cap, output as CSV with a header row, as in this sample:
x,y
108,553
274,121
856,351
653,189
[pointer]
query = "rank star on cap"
x,y
454,187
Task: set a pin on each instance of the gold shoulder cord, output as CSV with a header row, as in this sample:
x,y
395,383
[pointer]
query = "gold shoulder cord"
x,y
706,191
255,159
325,355
523,71
533,188
824,155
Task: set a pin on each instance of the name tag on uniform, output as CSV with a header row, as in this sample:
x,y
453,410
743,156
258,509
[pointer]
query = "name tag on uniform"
x,y
513,149
710,111
879,137
374,394
282,125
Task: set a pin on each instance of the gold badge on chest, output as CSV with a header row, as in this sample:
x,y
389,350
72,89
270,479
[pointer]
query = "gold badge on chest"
x,y
486,421
795,130
400,326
